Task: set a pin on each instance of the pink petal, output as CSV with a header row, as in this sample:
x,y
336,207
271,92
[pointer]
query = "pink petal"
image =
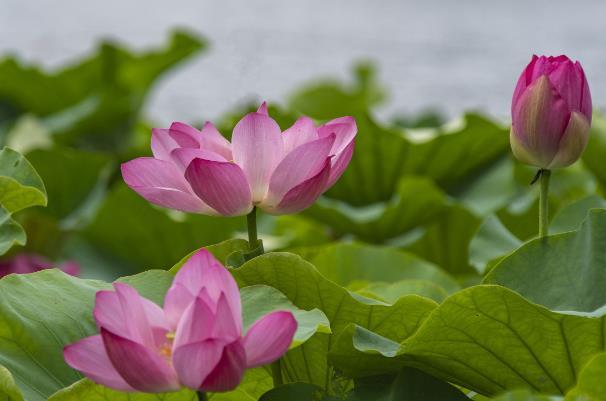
x,y
162,144
297,166
178,135
137,325
161,183
269,338
586,105
344,128
141,367
523,81
194,362
539,121
257,148
229,371
211,139
226,326
89,357
108,312
196,323
302,131
221,185
177,299
185,135
182,157
573,141
304,194
71,267
201,271
111,313
263,109
339,164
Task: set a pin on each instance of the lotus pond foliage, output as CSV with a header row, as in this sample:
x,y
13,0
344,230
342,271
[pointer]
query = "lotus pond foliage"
x,y
304,250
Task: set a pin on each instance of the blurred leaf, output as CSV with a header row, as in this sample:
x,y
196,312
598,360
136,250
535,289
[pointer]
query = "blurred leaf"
x,y
525,395
130,229
376,167
407,385
416,202
95,103
11,233
429,118
492,190
593,157
446,241
460,153
391,292
563,271
20,186
571,217
296,231
590,385
75,181
8,388
491,242
329,99
345,263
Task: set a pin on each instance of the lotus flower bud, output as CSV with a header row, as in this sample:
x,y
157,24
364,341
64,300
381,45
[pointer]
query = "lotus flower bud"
x,y
551,113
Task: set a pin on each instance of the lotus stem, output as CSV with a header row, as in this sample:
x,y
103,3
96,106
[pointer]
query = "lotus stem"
x,y
544,203
253,244
251,220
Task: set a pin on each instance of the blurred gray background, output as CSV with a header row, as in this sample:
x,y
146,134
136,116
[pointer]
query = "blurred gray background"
x,y
451,55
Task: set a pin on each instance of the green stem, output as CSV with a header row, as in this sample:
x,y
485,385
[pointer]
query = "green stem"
x,y
253,243
544,204
201,396
251,220
276,373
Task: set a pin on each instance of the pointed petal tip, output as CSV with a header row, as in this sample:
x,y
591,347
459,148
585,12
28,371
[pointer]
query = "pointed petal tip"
x,y
263,109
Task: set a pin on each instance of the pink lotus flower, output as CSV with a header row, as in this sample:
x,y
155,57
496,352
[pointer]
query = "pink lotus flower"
x,y
23,263
196,341
281,172
551,113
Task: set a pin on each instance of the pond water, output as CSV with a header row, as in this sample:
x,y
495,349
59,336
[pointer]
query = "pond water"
x,y
453,55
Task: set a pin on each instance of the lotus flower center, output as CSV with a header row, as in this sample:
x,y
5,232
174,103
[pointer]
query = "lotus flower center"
x,y
166,350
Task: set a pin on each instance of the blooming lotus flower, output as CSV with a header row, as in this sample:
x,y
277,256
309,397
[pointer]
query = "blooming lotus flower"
x,y
23,263
195,341
551,113
280,172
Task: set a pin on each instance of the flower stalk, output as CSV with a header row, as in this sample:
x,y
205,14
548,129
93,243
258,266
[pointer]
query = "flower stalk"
x,y
255,249
544,203
202,396
251,220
